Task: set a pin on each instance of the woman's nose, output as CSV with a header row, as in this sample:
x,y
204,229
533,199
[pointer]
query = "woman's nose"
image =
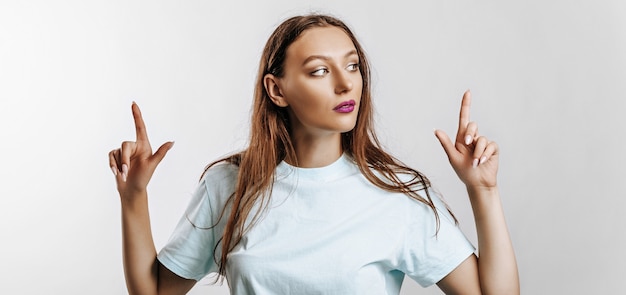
x,y
343,82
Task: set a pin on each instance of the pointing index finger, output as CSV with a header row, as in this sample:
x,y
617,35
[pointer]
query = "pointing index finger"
x,y
140,127
464,115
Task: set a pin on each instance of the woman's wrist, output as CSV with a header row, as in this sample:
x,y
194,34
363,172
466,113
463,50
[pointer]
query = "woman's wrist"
x,y
484,200
131,199
479,190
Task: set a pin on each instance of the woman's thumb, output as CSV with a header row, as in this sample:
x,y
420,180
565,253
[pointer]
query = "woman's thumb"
x,y
445,142
162,151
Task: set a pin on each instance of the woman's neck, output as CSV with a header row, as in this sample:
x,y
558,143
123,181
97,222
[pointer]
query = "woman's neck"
x,y
316,151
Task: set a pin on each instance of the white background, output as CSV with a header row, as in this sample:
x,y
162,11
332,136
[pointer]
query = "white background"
x,y
549,84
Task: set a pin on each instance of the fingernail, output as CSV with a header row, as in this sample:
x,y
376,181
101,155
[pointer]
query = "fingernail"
x,y
475,163
124,172
468,139
114,170
482,160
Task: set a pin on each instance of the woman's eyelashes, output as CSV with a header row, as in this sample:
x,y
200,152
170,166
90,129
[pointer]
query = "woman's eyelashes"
x,y
353,67
319,72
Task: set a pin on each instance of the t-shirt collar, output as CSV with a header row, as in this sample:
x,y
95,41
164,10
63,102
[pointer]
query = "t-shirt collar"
x,y
339,168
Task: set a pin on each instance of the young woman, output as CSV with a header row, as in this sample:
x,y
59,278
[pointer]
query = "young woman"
x,y
314,205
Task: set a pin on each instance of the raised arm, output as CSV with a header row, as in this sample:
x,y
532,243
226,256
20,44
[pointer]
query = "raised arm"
x,y
133,165
475,160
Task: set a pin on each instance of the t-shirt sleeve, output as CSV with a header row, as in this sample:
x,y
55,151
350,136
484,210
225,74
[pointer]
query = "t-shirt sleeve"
x,y
428,255
189,253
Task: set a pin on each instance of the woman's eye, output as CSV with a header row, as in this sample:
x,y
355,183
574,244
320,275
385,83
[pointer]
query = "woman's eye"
x,y
319,72
353,67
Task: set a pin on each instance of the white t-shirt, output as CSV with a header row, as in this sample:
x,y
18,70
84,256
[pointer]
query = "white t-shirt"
x,y
327,230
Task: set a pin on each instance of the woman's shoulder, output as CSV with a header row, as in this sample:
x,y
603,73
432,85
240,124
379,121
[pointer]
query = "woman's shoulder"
x,y
215,187
219,179
220,171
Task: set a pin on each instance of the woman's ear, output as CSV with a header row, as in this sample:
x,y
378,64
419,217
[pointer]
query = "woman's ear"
x,y
272,87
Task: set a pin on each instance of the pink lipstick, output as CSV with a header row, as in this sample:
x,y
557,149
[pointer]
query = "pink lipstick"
x,y
345,107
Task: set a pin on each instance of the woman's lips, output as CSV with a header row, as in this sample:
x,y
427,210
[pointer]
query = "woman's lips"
x,y
345,107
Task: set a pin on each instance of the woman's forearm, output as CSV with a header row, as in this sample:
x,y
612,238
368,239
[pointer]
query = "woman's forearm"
x,y
497,266
140,266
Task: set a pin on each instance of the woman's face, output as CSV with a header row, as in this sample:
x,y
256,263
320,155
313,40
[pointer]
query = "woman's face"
x,y
322,83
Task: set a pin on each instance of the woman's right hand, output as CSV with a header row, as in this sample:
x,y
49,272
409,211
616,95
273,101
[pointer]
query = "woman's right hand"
x,y
134,163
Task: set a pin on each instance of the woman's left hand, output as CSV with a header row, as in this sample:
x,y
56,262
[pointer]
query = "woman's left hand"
x,y
473,157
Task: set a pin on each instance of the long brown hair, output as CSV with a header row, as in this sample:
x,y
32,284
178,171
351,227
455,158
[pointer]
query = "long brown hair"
x,y
270,141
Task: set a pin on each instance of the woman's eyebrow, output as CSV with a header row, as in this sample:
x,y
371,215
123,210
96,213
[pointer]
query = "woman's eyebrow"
x,y
326,57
